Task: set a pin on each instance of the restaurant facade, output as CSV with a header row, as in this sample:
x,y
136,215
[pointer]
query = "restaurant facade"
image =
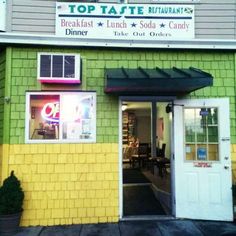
x,y
66,69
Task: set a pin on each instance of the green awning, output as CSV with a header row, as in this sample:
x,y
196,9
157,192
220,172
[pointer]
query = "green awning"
x,y
164,82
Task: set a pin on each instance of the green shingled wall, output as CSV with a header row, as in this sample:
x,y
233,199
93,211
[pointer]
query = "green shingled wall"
x,y
221,64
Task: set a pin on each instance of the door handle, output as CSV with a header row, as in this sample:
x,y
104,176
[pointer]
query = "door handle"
x,y
226,167
225,139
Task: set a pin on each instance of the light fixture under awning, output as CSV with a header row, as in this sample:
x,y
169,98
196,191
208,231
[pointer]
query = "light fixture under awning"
x,y
164,82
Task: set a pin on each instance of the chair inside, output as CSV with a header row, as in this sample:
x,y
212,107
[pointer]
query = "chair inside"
x,y
161,152
141,155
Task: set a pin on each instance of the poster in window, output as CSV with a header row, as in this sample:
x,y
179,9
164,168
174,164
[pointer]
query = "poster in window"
x,y
202,154
78,117
73,130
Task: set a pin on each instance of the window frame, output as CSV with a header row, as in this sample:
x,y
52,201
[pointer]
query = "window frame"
x,y
60,139
51,79
207,142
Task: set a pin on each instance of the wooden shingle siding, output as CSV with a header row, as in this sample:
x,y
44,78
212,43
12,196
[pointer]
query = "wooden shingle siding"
x,y
214,19
33,16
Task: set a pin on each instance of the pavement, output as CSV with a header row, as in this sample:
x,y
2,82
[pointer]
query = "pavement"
x,y
168,227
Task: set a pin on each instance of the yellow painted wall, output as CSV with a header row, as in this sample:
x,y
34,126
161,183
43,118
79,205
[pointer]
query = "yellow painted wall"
x,y
1,154
4,156
66,183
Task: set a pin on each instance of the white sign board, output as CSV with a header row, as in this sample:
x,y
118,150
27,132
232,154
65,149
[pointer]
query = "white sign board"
x,y
175,1
2,15
124,21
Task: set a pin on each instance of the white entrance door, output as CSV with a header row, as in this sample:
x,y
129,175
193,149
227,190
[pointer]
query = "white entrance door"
x,y
202,159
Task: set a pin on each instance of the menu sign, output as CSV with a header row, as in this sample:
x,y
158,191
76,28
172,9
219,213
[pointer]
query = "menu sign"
x,y
124,21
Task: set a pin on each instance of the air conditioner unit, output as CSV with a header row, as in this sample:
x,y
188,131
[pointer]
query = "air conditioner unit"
x,y
59,68
3,10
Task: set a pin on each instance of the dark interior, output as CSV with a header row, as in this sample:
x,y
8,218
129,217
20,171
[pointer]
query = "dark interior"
x,y
146,176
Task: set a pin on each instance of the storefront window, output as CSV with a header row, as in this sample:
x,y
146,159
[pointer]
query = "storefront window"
x,y
61,117
201,134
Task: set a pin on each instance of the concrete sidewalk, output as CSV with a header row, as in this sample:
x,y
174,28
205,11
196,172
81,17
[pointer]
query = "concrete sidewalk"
x,y
137,228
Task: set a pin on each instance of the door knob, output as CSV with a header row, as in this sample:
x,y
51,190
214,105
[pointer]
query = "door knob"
x,y
226,167
225,139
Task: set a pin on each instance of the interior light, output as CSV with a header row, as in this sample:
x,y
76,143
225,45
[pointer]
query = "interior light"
x,y
168,108
124,107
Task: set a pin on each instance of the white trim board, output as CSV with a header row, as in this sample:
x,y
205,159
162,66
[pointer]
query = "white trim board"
x,y
51,40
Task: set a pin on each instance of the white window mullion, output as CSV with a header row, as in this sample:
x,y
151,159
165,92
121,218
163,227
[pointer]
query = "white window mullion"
x,y
77,67
195,134
207,141
63,66
60,123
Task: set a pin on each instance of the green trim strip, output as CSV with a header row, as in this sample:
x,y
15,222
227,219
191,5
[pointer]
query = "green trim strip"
x,y
7,94
235,71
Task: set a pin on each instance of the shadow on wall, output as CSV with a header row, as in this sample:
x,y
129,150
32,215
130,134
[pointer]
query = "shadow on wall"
x,y
234,171
234,181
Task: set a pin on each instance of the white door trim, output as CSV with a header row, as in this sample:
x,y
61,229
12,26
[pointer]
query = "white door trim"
x,y
120,163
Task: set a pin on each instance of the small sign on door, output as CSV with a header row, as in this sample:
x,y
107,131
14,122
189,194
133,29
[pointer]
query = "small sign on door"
x,y
202,154
202,164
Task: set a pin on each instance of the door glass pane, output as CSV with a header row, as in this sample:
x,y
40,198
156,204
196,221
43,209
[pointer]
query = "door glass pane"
x,y
189,134
213,134
213,152
190,152
201,134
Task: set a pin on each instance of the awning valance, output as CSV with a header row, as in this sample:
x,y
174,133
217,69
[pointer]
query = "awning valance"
x,y
164,82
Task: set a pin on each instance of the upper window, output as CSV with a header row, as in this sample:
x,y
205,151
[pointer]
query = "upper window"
x,y
59,68
60,117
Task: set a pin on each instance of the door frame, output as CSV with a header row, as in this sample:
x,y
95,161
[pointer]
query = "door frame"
x,y
150,99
